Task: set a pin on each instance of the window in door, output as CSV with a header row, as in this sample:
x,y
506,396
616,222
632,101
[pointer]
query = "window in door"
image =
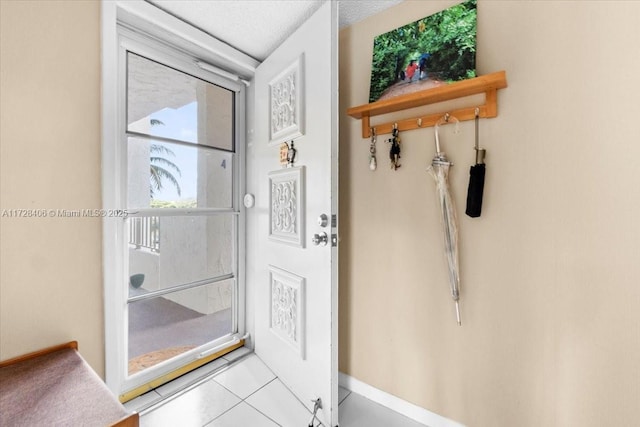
x,y
181,195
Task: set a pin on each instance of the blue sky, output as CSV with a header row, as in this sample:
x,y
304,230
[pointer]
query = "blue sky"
x,y
180,124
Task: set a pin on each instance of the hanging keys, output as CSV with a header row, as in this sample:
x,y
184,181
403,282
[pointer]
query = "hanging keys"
x,y
373,164
394,152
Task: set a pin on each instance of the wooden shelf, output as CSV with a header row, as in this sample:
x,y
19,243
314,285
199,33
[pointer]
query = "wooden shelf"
x,y
487,84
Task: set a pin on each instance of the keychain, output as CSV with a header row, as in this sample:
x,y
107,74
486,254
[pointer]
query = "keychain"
x,y
394,152
373,164
291,154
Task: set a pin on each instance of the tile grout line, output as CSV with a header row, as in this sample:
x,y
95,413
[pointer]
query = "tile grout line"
x,y
345,398
262,413
210,421
261,387
251,394
285,386
247,403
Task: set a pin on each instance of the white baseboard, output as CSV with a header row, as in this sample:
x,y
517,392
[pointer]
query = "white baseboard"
x,y
394,403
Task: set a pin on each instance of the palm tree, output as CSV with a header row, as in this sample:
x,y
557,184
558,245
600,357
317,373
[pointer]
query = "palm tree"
x,y
161,168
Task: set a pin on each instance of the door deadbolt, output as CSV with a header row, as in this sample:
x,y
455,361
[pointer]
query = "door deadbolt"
x,y
320,239
323,220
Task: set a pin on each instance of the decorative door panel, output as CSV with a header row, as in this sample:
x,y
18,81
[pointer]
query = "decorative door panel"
x,y
286,201
286,103
287,308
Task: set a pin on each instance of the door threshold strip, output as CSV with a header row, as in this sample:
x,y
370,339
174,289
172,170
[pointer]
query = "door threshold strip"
x,y
164,379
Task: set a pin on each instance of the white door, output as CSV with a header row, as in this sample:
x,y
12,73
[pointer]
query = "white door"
x,y
295,280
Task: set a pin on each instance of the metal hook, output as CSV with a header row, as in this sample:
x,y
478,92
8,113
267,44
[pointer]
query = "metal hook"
x,y
374,139
477,118
480,153
373,163
444,120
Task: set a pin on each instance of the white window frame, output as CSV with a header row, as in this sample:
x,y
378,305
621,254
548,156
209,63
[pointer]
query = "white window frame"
x,y
141,28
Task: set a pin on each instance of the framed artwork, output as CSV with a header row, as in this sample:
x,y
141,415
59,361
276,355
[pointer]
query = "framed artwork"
x,y
432,51
286,103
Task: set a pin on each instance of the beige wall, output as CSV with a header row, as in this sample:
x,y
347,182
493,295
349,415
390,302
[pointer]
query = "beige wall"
x,y
51,268
550,272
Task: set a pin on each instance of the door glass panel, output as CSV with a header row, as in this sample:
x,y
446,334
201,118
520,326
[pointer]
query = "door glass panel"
x,y
181,192
167,175
166,326
170,104
176,250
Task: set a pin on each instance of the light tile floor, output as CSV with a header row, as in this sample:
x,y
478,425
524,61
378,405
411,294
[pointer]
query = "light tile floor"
x,y
240,390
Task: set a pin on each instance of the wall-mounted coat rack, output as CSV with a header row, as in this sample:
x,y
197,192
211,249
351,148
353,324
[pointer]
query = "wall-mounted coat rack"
x,y
489,84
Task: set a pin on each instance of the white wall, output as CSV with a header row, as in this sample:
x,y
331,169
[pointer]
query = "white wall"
x,y
550,272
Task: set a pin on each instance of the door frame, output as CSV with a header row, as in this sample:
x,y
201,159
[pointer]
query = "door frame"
x,y
144,27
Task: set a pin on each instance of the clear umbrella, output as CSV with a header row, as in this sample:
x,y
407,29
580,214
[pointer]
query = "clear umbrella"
x,y
439,169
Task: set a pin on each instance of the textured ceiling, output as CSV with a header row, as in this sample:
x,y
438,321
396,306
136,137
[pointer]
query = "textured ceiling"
x,y
257,27
352,11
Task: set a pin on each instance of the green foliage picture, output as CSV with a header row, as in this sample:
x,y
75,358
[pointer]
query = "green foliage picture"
x,y
432,51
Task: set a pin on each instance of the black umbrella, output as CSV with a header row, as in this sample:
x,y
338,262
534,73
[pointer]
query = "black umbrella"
x,y
476,179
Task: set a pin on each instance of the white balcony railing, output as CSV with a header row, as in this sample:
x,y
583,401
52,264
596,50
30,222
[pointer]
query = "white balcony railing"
x,y
144,232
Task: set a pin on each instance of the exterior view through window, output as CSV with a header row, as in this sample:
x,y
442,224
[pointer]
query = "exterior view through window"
x,y
182,226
